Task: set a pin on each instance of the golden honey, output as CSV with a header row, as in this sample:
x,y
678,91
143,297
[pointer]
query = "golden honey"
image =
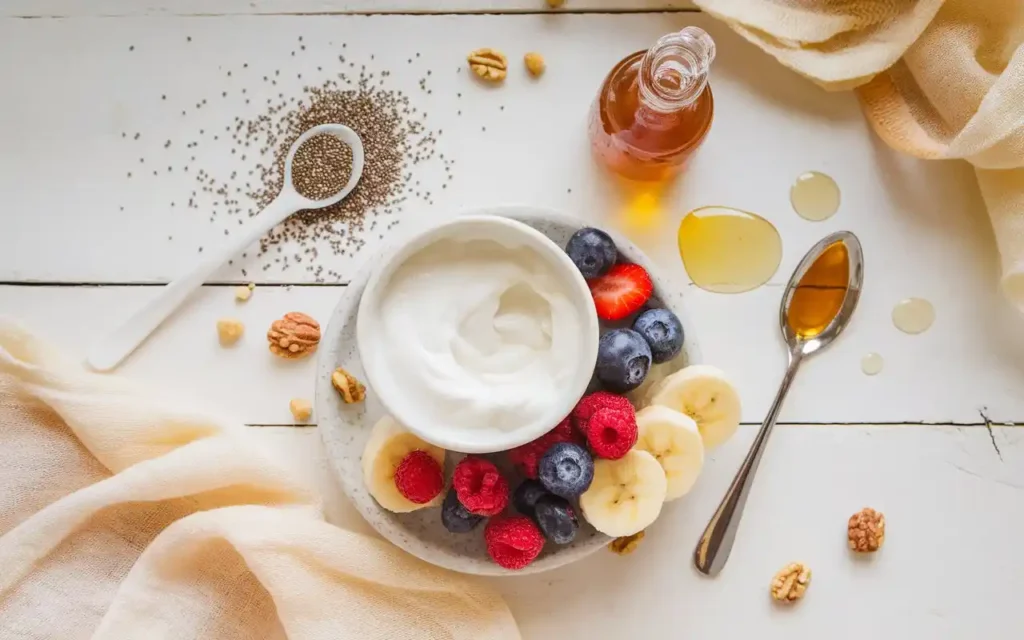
x,y
814,196
818,296
913,315
871,364
728,250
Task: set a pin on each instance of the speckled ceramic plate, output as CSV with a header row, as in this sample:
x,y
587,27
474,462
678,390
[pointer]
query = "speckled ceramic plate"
x,y
345,428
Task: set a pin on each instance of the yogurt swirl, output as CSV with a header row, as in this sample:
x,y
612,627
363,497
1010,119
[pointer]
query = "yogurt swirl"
x,y
478,335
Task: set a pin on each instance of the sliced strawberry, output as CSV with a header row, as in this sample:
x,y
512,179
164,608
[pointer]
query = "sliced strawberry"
x,y
621,291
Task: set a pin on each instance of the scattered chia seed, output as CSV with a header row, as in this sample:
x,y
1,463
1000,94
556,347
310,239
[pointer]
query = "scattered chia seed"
x,y
395,140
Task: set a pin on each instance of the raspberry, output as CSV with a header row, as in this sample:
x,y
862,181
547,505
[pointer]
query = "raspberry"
x,y
611,433
419,477
526,456
513,542
480,487
586,407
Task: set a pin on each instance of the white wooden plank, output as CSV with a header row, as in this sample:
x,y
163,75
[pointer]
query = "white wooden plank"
x,y
952,373
64,169
950,566
80,8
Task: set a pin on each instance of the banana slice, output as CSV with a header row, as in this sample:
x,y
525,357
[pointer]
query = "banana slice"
x,y
674,440
705,394
389,443
626,494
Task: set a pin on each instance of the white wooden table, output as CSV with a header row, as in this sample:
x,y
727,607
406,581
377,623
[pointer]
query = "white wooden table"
x,y
930,441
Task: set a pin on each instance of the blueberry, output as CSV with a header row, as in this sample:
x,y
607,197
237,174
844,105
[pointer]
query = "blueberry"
x,y
623,360
454,516
526,496
592,250
556,519
662,331
566,469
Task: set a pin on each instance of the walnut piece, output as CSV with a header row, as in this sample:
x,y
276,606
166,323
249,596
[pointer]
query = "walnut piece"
x,y
866,530
301,409
243,293
351,390
554,4
229,330
489,64
534,63
626,544
294,336
791,582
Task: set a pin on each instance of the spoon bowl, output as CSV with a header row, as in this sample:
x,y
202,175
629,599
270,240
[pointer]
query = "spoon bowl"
x,y
817,304
109,352
851,250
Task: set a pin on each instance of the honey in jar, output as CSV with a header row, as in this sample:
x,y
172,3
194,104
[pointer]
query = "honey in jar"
x,y
655,107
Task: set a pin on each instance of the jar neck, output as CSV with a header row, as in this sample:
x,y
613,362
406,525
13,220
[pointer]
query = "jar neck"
x,y
674,72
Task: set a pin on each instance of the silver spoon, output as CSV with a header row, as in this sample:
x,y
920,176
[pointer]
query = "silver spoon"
x,y
109,352
812,333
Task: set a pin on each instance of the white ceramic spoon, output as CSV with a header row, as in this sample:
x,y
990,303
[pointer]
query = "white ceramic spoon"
x,y
121,342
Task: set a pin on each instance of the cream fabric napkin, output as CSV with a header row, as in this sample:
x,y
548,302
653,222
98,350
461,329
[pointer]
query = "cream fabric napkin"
x,y
937,79
125,514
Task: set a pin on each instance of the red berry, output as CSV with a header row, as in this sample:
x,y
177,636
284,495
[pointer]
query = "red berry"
x,y
621,292
513,542
611,433
480,486
419,477
526,456
586,407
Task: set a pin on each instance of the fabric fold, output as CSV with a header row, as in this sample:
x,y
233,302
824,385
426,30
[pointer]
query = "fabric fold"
x,y
129,514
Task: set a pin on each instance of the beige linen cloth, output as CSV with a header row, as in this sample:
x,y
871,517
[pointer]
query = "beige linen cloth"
x,y
125,515
937,79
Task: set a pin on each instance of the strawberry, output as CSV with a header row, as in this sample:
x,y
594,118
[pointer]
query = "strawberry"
x,y
621,291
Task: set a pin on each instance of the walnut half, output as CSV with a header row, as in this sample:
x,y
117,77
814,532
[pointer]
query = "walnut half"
x,y
489,64
791,582
351,390
294,336
865,531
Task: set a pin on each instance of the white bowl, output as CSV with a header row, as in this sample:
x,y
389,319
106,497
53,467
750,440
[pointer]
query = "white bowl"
x,y
395,398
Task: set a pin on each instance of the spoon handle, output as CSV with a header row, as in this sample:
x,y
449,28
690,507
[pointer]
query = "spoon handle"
x,y
109,352
715,544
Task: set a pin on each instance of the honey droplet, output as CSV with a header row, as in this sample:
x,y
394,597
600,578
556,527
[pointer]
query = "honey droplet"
x,y
818,296
814,196
913,315
727,250
871,364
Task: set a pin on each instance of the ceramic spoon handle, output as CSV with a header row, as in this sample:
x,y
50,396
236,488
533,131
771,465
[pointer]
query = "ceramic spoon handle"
x,y
122,341
715,544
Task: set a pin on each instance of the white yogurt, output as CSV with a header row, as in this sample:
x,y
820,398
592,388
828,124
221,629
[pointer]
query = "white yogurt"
x,y
479,335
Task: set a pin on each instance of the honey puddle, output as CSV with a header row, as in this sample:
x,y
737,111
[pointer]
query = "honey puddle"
x,y
871,364
819,295
913,315
814,196
727,250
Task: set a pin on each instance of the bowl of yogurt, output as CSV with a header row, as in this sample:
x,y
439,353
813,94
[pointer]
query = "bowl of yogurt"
x,y
478,335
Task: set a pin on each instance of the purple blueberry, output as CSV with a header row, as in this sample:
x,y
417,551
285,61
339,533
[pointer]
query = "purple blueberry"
x,y
623,360
566,469
526,496
592,251
556,519
662,331
455,517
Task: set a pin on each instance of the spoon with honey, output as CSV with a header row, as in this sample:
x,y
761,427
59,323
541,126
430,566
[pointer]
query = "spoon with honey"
x,y
817,305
